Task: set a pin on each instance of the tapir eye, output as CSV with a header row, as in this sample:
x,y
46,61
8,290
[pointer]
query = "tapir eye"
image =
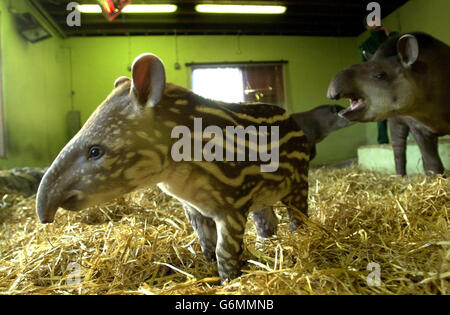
x,y
381,76
95,152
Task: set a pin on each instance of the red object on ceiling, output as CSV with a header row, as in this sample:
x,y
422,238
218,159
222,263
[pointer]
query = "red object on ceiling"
x,y
112,8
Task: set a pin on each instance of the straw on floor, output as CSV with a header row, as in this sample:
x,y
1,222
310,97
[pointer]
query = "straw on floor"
x,y
368,233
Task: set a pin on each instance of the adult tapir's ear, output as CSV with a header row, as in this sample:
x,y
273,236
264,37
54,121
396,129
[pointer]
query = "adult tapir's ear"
x,y
408,50
149,79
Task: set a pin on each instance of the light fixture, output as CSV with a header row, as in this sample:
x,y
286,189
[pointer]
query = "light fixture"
x,y
132,8
30,28
89,8
150,8
240,9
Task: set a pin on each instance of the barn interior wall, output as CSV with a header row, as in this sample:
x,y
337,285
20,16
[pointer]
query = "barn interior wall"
x,y
36,94
312,62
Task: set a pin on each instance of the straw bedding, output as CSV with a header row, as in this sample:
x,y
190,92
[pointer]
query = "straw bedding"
x,y
142,243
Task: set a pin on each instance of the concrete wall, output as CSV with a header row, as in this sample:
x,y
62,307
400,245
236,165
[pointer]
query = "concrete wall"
x,y
381,157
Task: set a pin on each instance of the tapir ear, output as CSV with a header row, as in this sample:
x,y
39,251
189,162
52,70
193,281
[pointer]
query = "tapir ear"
x,y
149,79
408,50
121,80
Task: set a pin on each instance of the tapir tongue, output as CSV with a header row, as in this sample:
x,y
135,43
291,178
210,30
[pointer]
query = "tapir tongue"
x,y
356,107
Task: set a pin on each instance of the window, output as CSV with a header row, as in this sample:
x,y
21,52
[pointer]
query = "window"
x,y
248,82
222,84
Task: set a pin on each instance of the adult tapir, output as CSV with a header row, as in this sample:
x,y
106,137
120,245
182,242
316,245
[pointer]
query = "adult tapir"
x,y
426,139
407,76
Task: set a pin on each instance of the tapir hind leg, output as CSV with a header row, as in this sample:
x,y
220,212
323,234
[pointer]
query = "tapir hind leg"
x,y
428,145
206,231
297,204
266,222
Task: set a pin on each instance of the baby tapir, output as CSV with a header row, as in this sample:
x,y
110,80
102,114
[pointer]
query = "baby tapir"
x,y
320,122
316,124
407,76
130,142
426,139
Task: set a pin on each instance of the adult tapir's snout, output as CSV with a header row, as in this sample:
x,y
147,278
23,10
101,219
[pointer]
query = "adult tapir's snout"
x,y
350,83
334,90
342,84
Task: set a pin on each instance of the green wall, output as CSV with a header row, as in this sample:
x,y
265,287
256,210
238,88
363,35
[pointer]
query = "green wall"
x,y
312,62
36,95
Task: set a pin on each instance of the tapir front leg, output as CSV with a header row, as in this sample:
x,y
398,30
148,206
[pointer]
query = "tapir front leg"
x,y
230,234
428,145
399,132
206,231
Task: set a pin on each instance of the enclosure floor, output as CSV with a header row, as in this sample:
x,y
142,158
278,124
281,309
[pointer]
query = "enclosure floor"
x,y
362,225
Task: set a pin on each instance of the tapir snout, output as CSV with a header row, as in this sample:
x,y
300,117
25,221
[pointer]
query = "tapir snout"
x,y
52,196
349,83
341,84
58,188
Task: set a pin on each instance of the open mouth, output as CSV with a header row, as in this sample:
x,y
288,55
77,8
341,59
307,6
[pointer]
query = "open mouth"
x,y
356,108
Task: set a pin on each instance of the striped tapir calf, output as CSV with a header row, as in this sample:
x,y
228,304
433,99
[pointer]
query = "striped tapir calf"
x,y
134,140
